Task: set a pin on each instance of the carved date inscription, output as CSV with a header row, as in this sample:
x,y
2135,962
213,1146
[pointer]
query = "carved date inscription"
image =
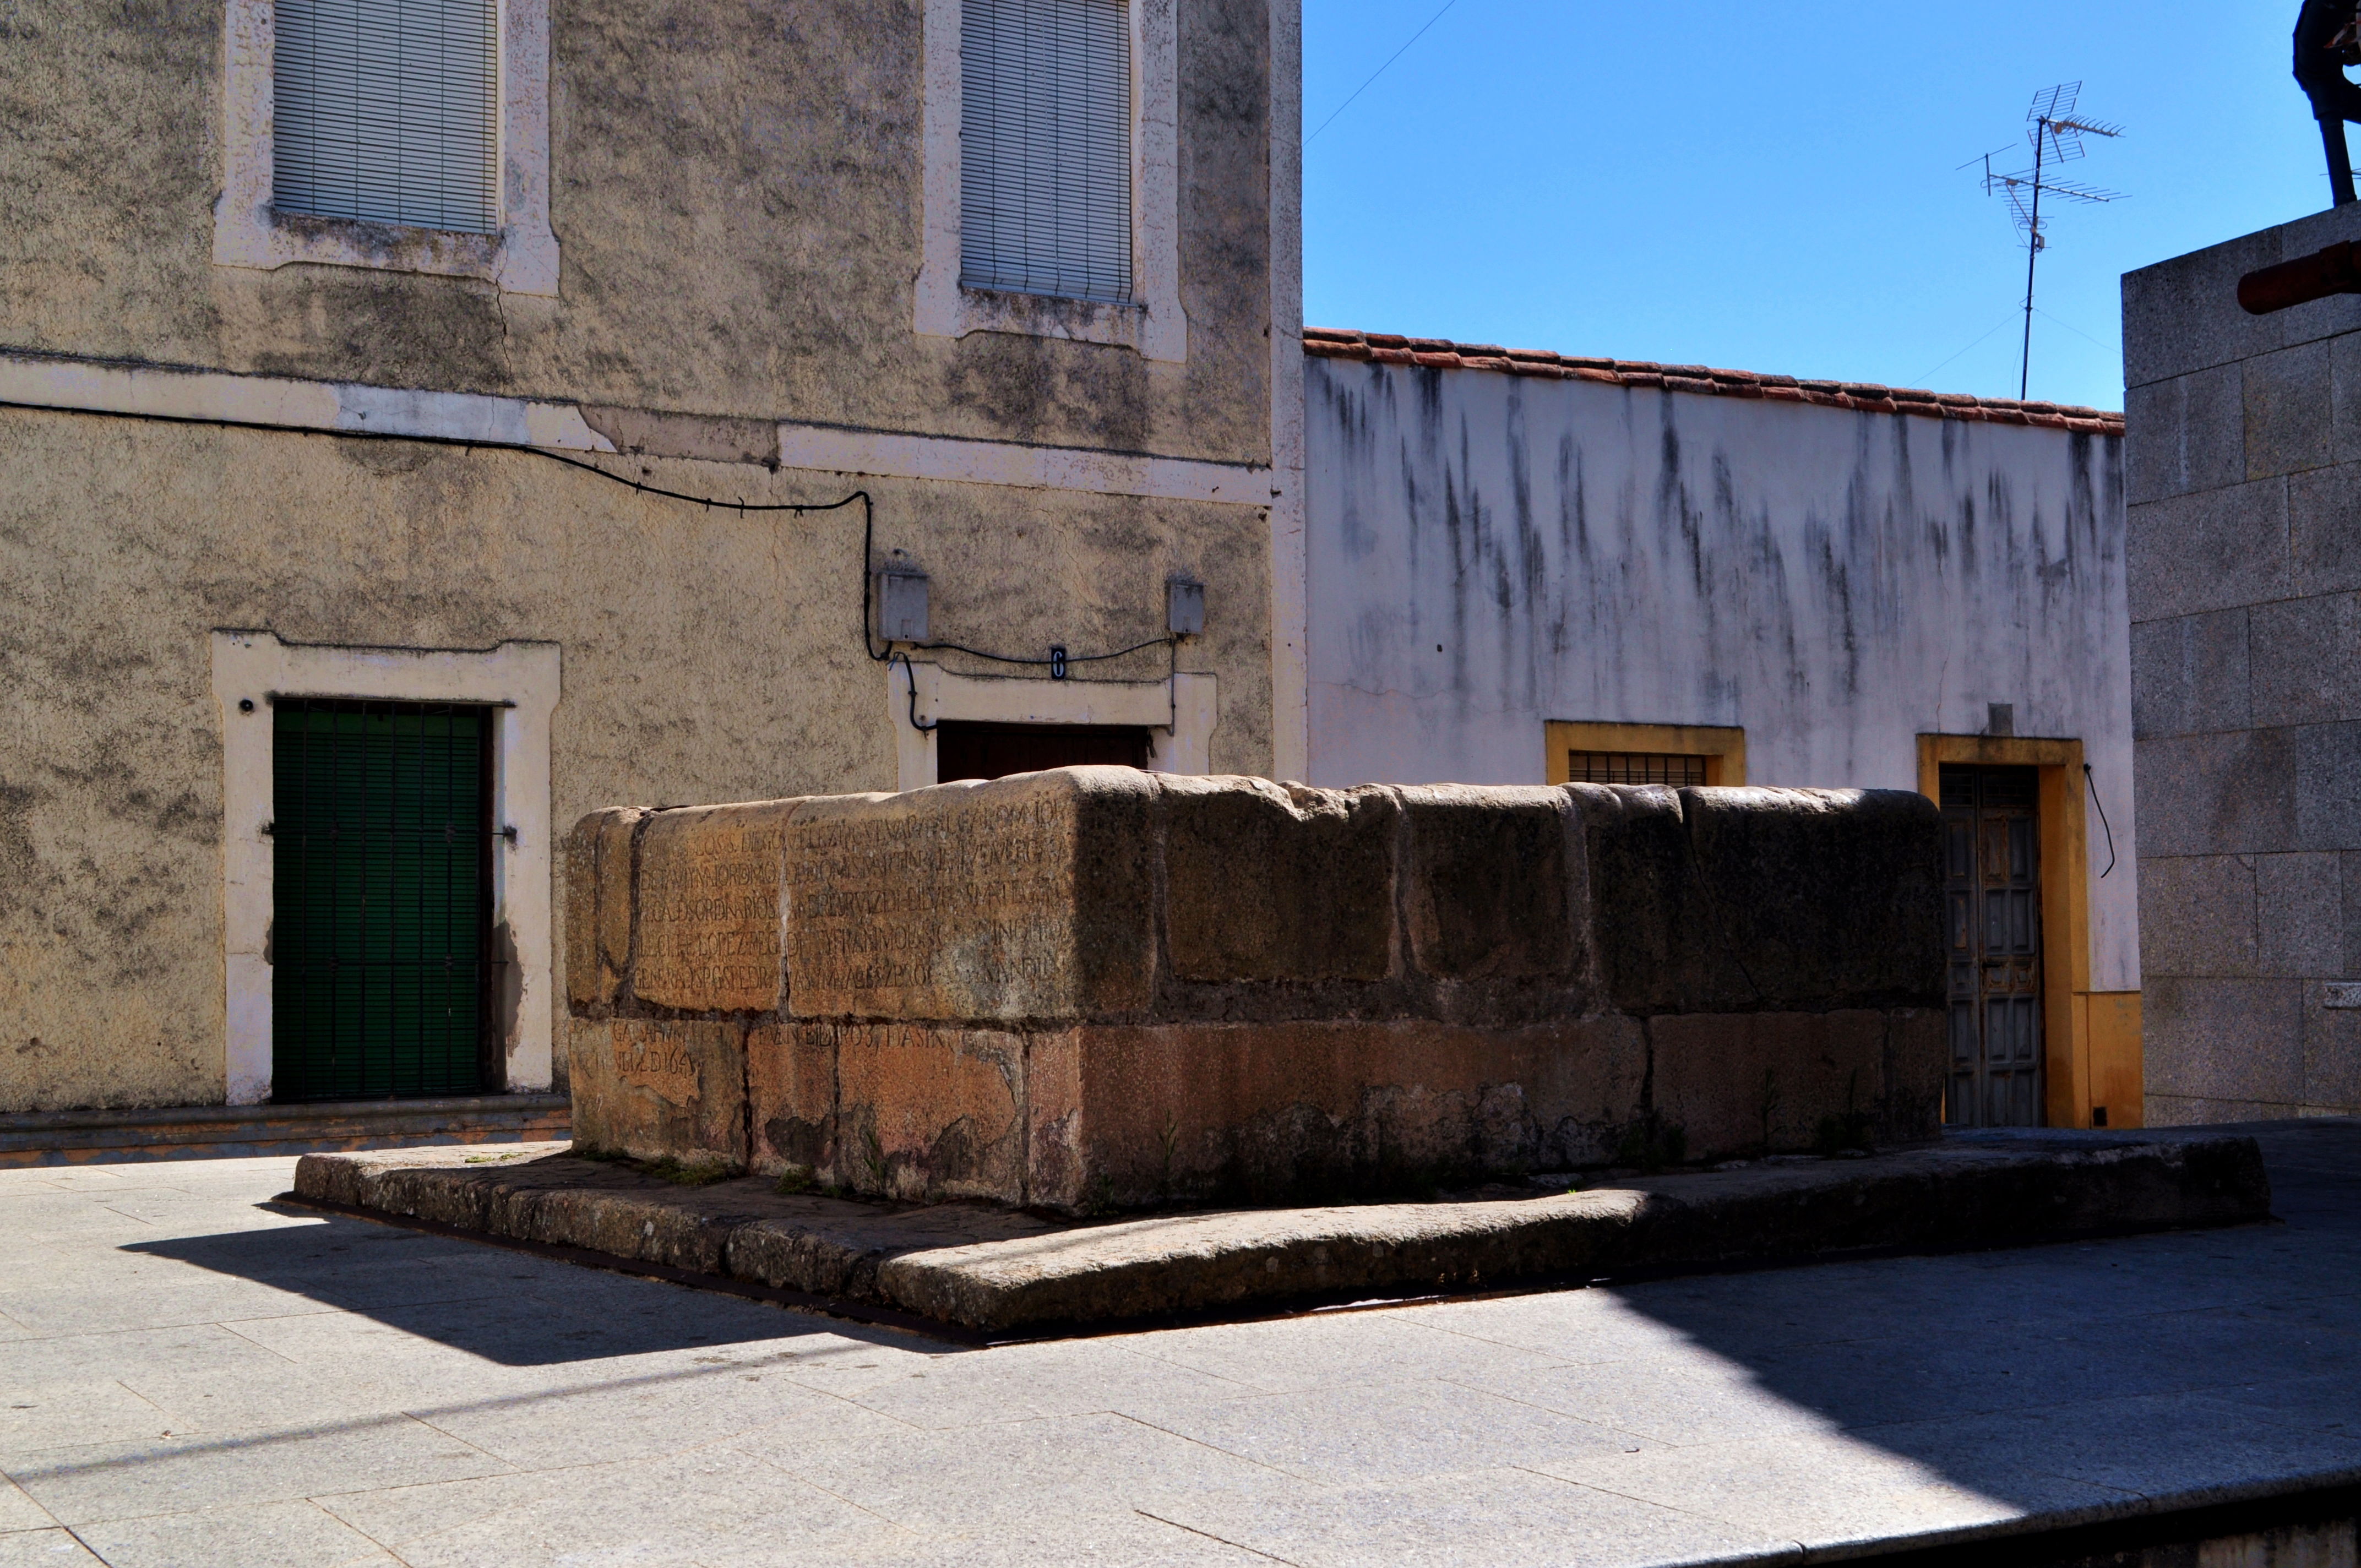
x,y
708,931
944,911
656,1060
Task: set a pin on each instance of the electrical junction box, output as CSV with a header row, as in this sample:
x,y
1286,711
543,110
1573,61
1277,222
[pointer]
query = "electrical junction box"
x,y
1185,608
901,606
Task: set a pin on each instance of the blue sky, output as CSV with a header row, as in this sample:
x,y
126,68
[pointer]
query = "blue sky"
x,y
1773,186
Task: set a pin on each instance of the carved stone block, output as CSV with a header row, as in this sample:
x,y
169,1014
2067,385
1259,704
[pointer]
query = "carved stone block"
x,y
656,1089
708,904
1024,898
1271,882
599,904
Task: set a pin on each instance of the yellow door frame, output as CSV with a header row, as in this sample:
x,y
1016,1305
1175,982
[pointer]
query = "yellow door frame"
x,y
1724,750
2091,1039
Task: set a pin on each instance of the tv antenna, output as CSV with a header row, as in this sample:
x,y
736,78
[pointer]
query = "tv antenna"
x,y
2055,132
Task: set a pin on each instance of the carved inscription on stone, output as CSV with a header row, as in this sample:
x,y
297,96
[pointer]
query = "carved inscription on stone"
x,y
944,904
656,1059
708,909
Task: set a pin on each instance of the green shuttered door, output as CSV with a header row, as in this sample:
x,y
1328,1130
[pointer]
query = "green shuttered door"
x,y
382,900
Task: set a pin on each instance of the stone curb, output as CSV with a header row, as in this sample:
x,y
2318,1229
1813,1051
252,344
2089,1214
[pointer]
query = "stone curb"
x,y
186,1132
994,1271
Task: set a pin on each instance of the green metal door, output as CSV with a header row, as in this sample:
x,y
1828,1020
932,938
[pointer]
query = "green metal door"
x,y
381,905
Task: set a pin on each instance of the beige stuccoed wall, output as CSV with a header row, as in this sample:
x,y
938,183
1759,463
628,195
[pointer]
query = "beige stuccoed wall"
x,y
736,191
706,657
738,194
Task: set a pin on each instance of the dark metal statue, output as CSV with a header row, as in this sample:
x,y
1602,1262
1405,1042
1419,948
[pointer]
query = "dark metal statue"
x,y
2327,39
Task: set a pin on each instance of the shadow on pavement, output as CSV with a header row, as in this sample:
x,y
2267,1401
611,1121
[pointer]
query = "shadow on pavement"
x,y
2199,1366
505,1306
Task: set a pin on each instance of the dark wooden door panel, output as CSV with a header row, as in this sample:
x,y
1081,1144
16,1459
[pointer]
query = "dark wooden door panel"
x,y
380,948
1993,900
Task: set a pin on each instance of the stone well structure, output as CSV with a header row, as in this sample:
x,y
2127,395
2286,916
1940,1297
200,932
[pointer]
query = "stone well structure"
x,y
1099,987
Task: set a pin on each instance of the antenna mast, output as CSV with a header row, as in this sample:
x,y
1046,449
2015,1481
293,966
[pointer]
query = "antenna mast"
x,y
2057,133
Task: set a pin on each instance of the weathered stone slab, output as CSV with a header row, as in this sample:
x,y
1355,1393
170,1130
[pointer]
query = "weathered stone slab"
x,y
1745,1082
1490,884
1099,1115
930,1111
792,1095
658,1088
599,904
708,909
1823,894
1744,900
1268,1113
1010,1273
1026,897
1269,881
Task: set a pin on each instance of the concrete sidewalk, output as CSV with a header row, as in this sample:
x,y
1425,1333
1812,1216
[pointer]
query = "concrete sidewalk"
x,y
190,1374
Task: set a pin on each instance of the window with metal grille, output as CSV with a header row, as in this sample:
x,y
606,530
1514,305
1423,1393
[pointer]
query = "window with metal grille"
x,y
1045,148
388,110
381,979
1635,768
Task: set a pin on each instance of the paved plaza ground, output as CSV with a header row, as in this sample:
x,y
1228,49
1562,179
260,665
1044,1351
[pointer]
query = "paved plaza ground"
x,y
193,1374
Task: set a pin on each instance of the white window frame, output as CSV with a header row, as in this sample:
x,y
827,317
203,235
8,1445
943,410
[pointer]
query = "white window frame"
x,y
522,256
1179,716
254,667
1153,323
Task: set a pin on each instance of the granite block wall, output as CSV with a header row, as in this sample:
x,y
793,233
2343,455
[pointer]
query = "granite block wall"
x,y
2242,452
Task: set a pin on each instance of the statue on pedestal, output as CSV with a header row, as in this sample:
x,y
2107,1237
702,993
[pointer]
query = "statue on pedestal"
x,y
2327,39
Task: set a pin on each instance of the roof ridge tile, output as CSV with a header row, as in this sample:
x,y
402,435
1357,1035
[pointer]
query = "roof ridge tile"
x,y
1869,396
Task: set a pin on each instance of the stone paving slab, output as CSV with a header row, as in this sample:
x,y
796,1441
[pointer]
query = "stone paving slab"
x,y
309,1374
1003,1273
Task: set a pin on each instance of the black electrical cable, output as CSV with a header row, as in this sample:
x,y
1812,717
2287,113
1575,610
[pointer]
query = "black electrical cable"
x,y
911,675
2091,779
468,442
869,641
868,515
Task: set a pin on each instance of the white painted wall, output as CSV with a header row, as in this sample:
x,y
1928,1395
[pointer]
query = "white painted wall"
x,y
1488,552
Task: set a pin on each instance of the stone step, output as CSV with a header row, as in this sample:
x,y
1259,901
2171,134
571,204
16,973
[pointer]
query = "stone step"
x,y
1000,1273
222,1131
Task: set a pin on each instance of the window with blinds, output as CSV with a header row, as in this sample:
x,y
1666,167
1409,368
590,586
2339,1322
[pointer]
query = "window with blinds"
x,y
386,111
1044,139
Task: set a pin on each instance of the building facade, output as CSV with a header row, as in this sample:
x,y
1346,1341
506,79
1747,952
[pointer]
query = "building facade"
x,y
419,437
1528,567
396,436
2244,476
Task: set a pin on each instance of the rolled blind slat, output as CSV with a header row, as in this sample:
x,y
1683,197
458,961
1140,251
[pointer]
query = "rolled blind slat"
x,y
1044,139
387,112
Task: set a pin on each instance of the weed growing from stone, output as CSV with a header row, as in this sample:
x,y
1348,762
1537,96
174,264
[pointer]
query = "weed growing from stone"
x,y
682,1175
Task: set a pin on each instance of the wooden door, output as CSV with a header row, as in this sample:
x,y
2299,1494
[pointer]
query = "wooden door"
x,y
1993,895
382,900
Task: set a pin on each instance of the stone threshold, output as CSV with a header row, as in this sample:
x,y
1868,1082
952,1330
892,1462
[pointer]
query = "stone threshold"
x,y
991,1274
224,1132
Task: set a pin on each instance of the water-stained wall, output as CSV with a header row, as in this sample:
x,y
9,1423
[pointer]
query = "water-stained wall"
x,y
737,189
1492,552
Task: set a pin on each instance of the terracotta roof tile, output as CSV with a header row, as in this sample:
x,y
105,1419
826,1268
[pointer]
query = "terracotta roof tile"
x,y
1391,348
